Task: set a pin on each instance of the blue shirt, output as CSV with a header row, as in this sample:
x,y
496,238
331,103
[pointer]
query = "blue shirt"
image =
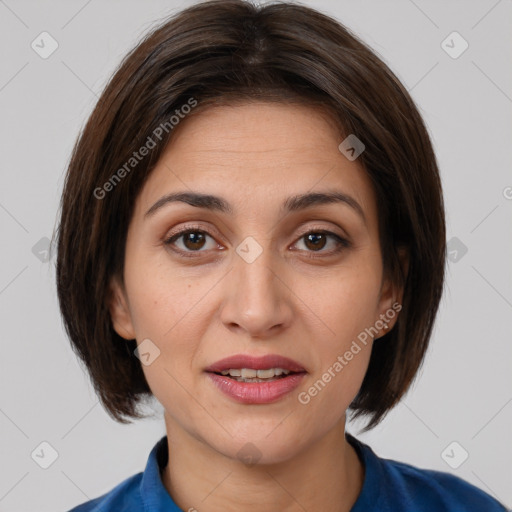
x,y
389,486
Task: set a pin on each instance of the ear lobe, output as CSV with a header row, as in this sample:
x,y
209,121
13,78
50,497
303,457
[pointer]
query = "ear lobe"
x,y
119,311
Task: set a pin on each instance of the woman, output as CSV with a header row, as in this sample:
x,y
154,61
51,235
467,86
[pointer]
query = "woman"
x,y
253,232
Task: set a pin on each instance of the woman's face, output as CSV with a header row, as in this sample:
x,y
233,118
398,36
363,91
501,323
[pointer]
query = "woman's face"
x,y
256,278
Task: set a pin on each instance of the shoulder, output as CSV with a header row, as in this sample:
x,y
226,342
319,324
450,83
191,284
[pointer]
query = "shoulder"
x,y
125,497
399,487
438,490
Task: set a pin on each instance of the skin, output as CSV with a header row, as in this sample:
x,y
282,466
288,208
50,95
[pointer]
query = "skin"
x,y
199,310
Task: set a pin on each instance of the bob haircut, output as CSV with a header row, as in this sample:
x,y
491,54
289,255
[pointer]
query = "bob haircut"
x,y
228,52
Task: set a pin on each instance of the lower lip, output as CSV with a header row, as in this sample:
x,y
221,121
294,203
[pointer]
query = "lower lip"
x,y
256,392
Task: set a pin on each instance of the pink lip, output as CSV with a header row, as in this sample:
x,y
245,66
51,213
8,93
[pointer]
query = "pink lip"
x,y
257,392
256,363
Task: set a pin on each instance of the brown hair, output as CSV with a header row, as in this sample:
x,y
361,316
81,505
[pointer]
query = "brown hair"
x,y
225,51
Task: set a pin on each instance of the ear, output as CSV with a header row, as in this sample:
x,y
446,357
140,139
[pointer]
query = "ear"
x,y
390,302
119,310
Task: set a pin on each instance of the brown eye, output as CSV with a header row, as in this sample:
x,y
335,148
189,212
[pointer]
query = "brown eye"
x,y
316,241
191,240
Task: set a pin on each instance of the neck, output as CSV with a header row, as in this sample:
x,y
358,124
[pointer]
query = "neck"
x,y
327,476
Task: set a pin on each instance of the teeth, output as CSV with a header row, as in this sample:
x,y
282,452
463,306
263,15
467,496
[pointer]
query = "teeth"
x,y
233,373
249,373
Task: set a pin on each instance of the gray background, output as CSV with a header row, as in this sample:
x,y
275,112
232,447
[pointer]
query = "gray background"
x,y
463,392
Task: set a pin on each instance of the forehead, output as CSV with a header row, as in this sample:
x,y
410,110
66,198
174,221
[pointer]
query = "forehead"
x,y
257,153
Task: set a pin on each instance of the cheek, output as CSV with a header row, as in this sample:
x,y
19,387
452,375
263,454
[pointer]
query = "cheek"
x,y
160,297
172,318
343,361
342,303
173,310
168,318
343,308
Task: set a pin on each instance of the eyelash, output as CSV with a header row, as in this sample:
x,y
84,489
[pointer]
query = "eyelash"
x,y
342,243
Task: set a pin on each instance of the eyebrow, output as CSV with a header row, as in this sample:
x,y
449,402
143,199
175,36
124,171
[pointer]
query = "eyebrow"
x,y
291,204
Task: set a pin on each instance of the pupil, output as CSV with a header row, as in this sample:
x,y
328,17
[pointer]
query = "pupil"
x,y
314,238
194,238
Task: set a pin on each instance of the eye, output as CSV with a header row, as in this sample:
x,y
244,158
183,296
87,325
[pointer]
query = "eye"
x,y
316,240
193,239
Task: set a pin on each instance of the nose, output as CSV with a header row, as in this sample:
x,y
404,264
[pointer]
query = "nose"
x,y
258,298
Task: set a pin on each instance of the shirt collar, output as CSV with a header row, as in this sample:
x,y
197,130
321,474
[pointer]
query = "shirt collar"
x,y
152,490
370,491
156,498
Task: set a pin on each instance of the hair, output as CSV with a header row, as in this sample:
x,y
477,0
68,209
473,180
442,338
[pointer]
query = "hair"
x,y
227,52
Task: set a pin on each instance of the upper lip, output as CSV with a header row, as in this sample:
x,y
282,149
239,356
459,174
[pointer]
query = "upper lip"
x,y
265,362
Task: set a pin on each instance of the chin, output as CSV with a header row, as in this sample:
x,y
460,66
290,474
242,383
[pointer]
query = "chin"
x,y
252,447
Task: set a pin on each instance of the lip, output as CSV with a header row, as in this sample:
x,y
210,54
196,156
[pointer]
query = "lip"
x,y
256,363
256,392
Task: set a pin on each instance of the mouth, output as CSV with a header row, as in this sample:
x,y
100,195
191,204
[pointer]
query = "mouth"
x,y
256,380
252,375
246,366
247,390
